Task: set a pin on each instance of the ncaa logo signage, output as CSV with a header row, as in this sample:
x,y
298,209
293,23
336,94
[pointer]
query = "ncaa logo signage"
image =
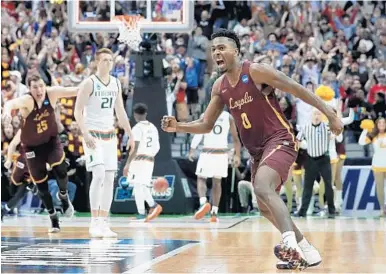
x,y
127,193
244,79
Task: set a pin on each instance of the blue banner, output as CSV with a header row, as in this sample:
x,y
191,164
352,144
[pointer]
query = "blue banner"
x,y
359,197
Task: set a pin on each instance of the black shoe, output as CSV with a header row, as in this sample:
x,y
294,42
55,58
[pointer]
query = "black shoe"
x,y
301,215
331,215
3,213
55,228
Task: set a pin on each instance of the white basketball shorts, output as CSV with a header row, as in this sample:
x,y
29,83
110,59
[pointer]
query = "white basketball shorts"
x,y
212,165
141,172
105,153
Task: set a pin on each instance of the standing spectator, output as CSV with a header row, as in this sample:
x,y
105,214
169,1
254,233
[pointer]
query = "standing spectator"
x,y
191,78
380,87
379,107
205,24
198,47
87,56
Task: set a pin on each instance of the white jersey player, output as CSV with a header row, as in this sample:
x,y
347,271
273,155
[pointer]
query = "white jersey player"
x,y
140,164
99,96
213,161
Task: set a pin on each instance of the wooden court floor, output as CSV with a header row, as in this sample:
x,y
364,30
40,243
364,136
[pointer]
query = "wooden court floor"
x,y
183,245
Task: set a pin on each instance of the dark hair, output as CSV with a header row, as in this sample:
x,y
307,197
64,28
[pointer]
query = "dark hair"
x,y
33,78
228,34
140,108
310,83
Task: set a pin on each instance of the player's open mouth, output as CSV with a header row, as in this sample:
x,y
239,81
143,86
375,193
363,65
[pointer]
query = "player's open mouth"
x,y
220,62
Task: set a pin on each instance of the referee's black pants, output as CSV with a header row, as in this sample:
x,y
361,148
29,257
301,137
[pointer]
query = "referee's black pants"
x,y
312,168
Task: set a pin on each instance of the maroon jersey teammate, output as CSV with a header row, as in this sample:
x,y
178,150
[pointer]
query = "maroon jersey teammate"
x,y
247,90
20,178
40,141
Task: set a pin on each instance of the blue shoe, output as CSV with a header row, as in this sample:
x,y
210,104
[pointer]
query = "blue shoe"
x,y
141,216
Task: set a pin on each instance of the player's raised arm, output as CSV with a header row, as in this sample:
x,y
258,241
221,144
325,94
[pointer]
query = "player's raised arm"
x,y
24,101
236,142
202,125
57,92
122,116
84,93
265,74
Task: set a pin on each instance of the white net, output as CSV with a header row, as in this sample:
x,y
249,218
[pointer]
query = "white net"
x,y
129,31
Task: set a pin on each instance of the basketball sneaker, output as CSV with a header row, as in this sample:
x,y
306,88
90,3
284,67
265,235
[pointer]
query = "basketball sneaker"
x,y
154,212
292,255
140,216
204,209
95,230
213,218
311,255
67,206
106,231
55,228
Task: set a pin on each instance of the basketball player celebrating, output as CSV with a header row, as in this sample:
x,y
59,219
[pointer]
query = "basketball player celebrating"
x,y
140,164
247,90
19,177
213,162
98,96
40,141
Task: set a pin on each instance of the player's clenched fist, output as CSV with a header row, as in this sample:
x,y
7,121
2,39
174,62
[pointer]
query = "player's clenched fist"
x,y
169,124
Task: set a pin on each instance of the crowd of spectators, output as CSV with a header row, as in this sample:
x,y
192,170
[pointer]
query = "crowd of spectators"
x,y
340,44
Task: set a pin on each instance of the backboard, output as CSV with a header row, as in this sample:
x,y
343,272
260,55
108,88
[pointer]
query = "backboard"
x,y
160,16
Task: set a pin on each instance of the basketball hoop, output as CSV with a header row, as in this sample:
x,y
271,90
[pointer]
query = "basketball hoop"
x,y
129,30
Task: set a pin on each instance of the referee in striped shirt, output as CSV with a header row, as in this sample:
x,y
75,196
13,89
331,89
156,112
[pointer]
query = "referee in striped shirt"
x,y
315,138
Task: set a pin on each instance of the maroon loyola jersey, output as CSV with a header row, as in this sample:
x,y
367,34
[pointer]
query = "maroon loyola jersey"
x,y
40,125
258,117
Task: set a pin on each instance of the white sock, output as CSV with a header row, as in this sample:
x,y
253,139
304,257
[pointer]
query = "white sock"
x,y
107,191
147,195
214,210
7,208
289,238
203,200
139,198
304,243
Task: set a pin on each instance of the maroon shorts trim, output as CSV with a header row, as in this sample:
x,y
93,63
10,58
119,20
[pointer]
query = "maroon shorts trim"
x,y
37,157
280,158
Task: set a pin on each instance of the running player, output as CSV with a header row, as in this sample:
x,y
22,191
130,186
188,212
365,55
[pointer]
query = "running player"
x,y
99,95
247,90
40,141
140,164
213,162
19,177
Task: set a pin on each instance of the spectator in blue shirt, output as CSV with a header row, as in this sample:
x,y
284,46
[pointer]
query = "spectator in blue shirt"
x,y
345,26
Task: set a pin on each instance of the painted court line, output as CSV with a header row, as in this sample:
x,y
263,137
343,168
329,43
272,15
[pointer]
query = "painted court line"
x,y
146,266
